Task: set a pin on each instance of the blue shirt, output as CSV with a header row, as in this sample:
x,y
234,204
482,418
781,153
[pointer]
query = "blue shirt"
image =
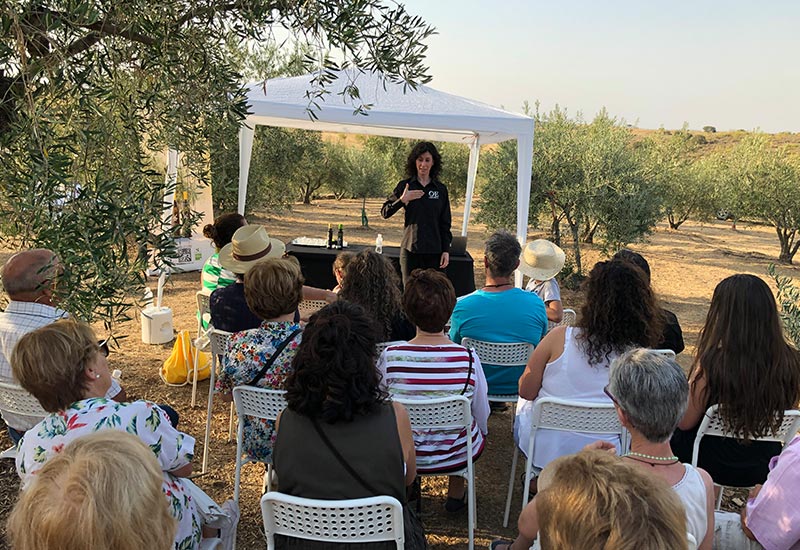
x,y
509,316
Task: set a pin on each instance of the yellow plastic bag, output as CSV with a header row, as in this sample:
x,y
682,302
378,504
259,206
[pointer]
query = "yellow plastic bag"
x,y
178,369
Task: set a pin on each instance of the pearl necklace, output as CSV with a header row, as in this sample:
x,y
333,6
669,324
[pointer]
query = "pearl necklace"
x,y
667,460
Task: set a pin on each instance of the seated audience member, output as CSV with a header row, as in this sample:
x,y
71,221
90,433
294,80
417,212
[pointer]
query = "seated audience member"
x,y
744,364
673,336
429,366
249,245
221,232
771,517
101,491
340,437
542,261
572,362
595,501
650,393
372,283
29,279
499,312
64,368
262,356
340,264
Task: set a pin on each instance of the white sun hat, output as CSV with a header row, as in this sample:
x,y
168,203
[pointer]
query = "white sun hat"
x,y
541,260
250,245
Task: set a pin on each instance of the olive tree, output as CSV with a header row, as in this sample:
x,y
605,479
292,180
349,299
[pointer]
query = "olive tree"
x,y
89,89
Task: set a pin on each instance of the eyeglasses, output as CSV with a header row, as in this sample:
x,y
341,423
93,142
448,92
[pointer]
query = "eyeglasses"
x,y
103,347
608,393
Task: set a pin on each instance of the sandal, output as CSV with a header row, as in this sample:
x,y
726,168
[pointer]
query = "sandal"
x,y
497,544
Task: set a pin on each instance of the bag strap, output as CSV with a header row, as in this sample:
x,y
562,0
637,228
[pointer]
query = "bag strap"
x,y
273,357
341,459
469,374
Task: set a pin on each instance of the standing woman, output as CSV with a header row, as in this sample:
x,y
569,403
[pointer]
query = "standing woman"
x,y
744,364
426,234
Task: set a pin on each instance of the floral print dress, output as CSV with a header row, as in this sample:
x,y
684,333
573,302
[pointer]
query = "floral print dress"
x,y
248,351
172,448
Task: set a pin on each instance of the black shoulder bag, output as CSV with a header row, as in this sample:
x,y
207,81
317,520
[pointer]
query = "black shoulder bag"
x,y
414,530
271,360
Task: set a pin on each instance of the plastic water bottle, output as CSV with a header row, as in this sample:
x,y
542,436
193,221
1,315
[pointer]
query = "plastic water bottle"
x,y
116,374
379,244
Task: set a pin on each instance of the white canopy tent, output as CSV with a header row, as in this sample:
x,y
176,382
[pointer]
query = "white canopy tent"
x,y
395,111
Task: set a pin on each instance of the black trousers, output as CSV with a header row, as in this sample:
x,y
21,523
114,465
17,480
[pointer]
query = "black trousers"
x,y
409,261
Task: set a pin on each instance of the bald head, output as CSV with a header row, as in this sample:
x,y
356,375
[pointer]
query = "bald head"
x,y
27,273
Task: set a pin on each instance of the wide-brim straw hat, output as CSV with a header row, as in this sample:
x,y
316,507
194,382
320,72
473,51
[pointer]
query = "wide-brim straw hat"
x,y
249,245
541,260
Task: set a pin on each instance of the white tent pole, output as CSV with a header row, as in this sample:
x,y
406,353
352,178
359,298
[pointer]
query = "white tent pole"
x,y
245,152
472,170
524,165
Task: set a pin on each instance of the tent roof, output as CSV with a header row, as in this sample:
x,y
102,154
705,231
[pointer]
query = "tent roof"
x,y
396,110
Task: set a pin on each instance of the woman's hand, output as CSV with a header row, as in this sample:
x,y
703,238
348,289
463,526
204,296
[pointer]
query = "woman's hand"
x,y
409,195
601,445
445,261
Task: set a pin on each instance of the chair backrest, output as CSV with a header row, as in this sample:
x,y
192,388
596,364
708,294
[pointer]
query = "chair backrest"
x,y
259,402
16,399
713,424
380,346
665,352
576,416
370,519
310,306
219,341
443,413
568,319
203,302
692,541
502,355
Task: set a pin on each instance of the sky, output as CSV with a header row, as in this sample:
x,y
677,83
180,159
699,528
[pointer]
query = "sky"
x,y
729,64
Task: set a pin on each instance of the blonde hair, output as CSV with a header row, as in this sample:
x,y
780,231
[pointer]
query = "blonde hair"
x,y
273,287
50,362
594,501
102,491
341,262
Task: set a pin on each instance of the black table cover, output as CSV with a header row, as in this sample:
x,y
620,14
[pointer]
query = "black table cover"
x,y
317,266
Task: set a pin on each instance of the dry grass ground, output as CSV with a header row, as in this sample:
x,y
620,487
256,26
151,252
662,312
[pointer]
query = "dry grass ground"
x,y
686,266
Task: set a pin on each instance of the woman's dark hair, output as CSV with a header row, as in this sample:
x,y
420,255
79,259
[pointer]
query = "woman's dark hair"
x,y
628,255
749,369
334,377
620,311
221,232
429,299
418,150
372,282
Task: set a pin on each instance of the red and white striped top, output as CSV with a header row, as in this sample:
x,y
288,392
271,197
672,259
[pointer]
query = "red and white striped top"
x,y
427,372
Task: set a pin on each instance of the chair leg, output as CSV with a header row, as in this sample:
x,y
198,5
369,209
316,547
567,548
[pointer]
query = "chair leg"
x,y
472,508
194,378
230,423
719,498
511,485
209,411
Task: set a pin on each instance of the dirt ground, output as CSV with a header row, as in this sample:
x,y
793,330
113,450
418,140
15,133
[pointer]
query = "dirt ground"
x,y
686,265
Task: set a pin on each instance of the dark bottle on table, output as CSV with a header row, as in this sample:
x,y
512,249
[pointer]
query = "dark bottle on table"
x,y
340,238
330,236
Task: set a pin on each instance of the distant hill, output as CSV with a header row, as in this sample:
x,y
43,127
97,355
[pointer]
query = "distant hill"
x,y
711,141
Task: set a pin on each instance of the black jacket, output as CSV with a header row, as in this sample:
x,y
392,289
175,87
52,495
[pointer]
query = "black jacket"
x,y
427,219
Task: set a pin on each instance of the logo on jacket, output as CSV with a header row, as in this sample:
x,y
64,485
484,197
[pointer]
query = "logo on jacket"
x,y
433,194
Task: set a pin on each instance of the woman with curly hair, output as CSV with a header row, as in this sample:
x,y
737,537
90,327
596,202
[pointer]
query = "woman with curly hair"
x,y
426,234
572,363
743,364
372,283
336,407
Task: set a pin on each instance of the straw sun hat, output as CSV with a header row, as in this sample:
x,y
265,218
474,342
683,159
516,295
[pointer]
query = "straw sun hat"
x,y
250,245
541,260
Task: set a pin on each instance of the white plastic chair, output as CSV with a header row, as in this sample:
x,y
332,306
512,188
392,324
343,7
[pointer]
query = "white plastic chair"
x,y
713,424
665,352
370,519
380,346
692,542
448,414
309,307
219,347
15,399
503,355
568,416
203,308
202,341
568,319
255,403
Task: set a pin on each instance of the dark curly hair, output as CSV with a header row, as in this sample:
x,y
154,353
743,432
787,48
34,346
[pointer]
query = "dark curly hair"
x,y
620,311
223,228
334,377
418,150
750,370
372,282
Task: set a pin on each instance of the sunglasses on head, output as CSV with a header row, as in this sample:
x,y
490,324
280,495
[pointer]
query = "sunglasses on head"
x,y
103,346
608,393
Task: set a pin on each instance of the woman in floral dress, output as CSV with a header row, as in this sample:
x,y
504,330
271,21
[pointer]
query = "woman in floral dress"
x,y
272,288
62,365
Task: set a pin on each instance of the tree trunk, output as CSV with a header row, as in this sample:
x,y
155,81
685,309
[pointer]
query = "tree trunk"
x,y
555,228
576,246
588,237
675,223
364,219
788,247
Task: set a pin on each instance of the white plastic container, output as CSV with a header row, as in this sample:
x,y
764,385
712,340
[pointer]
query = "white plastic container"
x,y
157,325
379,244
